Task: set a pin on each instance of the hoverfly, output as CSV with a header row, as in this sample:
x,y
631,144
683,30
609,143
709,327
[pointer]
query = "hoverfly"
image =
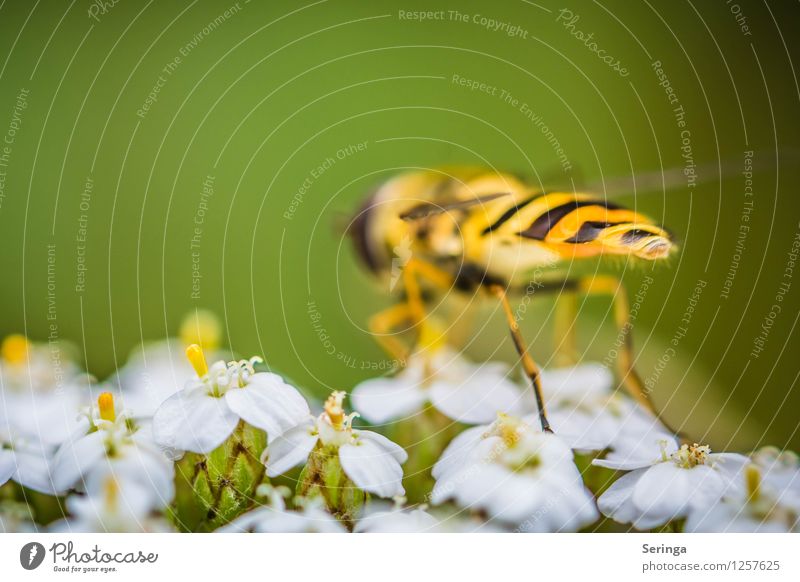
x,y
470,230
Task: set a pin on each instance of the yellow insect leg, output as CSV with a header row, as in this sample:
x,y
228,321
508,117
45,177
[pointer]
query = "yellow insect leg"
x,y
530,367
564,332
606,285
383,323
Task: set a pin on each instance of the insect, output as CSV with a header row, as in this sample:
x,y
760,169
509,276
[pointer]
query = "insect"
x,y
468,230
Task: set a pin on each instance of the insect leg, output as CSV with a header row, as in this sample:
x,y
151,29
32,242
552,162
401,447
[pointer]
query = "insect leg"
x,y
530,367
416,270
564,331
606,285
382,323
412,310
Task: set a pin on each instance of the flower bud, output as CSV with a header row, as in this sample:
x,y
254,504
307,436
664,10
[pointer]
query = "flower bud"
x,y
324,478
213,489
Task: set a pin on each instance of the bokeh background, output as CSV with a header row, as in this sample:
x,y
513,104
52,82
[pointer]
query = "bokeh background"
x,y
126,123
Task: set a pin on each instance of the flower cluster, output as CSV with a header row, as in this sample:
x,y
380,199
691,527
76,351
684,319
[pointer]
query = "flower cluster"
x,y
226,445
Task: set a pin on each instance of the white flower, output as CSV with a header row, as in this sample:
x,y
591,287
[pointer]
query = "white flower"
x,y
586,411
667,482
781,471
459,389
26,463
155,371
112,445
368,459
108,507
273,517
41,391
382,518
201,416
768,501
16,518
516,474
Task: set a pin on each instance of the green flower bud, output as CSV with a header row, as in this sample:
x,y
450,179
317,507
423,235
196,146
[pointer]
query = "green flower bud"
x,y
213,489
323,477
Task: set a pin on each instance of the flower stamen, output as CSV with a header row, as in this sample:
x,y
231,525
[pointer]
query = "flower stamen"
x,y
752,477
105,402
194,353
508,429
335,410
691,456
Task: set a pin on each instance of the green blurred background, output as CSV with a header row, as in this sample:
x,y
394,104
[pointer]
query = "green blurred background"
x,y
262,95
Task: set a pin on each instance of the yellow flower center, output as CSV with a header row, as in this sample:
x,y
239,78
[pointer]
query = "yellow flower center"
x,y
201,327
508,429
15,349
689,456
105,402
195,355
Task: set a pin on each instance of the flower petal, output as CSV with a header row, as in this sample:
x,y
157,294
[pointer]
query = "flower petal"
x,y
271,520
75,457
34,472
381,400
269,403
396,450
191,420
478,398
667,492
458,451
143,470
372,468
8,465
616,502
290,449
560,384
